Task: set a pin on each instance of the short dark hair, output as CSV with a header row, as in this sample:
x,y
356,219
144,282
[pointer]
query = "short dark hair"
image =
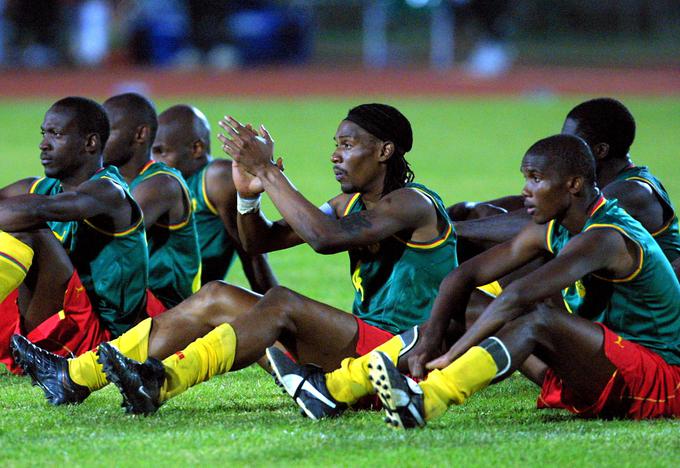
x,y
90,116
569,155
138,109
605,120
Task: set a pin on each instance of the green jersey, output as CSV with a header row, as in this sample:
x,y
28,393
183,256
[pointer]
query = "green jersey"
x,y
174,257
217,251
396,280
113,266
668,236
643,307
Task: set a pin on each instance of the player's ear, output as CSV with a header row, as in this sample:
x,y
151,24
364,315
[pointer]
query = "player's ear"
x,y
601,150
386,151
197,149
575,184
93,143
143,133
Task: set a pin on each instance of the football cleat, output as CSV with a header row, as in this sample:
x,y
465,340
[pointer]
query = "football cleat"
x,y
139,382
47,371
306,384
401,396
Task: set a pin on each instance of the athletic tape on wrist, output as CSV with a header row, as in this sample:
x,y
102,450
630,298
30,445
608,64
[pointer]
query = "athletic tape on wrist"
x,y
247,205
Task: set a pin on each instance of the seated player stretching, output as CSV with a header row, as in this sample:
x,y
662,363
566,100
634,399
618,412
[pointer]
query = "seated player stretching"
x,y
70,302
183,142
163,196
396,232
616,355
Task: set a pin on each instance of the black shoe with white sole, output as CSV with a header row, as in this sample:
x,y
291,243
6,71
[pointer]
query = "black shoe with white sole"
x,y
306,384
402,397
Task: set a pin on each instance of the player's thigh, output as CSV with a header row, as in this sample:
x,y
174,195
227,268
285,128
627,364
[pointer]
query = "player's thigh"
x,y
573,348
314,331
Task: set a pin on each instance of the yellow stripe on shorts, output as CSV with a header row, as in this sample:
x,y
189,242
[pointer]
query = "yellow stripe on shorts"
x,y
492,289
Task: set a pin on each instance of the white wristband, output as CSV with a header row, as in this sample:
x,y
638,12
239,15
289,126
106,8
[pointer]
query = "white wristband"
x,y
247,205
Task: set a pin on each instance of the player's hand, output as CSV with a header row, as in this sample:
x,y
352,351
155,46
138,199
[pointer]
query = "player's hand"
x,y
442,361
253,151
427,348
247,185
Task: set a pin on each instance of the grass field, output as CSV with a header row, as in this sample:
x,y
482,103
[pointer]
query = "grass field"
x,y
466,149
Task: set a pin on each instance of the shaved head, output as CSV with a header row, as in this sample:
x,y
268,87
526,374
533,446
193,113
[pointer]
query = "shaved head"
x,y
183,139
188,120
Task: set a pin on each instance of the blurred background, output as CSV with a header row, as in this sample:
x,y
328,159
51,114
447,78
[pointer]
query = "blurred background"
x,y
484,38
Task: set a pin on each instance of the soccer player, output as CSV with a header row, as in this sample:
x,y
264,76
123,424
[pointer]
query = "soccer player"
x,y
163,195
609,129
396,232
183,142
616,355
70,303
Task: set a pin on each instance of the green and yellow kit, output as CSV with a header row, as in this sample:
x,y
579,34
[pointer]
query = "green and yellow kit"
x,y
113,266
644,307
396,280
217,250
174,256
668,236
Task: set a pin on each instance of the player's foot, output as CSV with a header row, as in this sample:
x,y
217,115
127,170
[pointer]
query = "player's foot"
x,y
139,382
47,371
401,396
306,384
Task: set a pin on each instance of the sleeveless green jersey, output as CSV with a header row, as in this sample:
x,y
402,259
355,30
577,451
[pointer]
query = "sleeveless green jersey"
x,y
668,236
174,257
396,280
113,266
217,251
643,307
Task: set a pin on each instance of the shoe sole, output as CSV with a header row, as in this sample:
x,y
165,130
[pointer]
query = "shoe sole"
x,y
111,368
281,383
391,388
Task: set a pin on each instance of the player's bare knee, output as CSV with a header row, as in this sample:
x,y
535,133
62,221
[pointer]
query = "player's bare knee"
x,y
281,303
540,322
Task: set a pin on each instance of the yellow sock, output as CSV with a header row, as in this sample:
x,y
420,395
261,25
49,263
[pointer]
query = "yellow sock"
x,y
15,260
134,343
350,383
454,384
204,358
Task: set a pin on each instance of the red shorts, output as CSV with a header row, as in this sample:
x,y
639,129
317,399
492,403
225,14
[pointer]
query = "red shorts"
x,y
72,331
154,306
644,386
370,337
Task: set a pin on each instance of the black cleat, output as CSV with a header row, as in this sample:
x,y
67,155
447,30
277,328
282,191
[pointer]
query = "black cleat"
x,y
306,384
139,382
401,396
47,371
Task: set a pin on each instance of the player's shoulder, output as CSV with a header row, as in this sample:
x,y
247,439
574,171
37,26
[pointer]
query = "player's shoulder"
x,y
219,167
630,191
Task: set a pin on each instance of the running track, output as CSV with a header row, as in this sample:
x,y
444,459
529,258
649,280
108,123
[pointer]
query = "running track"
x,y
293,82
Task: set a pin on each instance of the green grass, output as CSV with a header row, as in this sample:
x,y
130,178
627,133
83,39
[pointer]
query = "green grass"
x,y
466,149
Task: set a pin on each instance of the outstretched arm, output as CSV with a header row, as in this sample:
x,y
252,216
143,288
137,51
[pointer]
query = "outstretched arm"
x,y
465,211
590,251
20,187
493,229
92,198
400,210
455,290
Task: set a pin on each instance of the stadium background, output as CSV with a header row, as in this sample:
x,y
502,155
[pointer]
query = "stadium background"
x,y
470,133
